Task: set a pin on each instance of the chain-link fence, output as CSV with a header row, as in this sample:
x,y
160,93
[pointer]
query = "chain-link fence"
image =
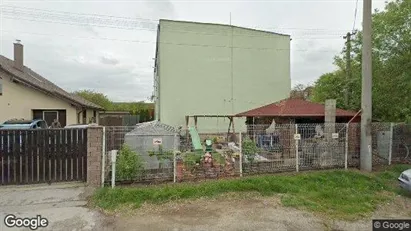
x,y
144,153
167,154
400,142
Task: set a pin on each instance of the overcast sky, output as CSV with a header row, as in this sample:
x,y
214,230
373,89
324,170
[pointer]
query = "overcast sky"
x,y
82,50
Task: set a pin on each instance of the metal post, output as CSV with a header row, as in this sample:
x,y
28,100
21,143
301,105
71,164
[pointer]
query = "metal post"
x,y
346,146
174,167
175,159
103,161
390,147
113,169
297,158
240,141
366,96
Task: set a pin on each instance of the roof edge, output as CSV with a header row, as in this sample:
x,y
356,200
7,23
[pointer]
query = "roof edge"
x,y
228,25
243,114
291,115
51,92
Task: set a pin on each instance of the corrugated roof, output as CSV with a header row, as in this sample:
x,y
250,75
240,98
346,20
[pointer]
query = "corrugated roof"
x,y
293,108
152,128
31,78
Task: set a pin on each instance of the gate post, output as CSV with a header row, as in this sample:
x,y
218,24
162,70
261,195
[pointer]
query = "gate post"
x,y
94,155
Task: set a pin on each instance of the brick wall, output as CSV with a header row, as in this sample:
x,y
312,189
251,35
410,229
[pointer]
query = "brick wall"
x,y
94,153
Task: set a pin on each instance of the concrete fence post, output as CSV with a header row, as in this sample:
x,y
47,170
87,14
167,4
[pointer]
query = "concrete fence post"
x,y
113,170
94,156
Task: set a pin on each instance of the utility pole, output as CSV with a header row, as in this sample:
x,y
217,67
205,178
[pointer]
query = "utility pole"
x,y
348,67
366,95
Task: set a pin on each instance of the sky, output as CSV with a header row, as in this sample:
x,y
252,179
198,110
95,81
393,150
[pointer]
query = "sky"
x,y
109,46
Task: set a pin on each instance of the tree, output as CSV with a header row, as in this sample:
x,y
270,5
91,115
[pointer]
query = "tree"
x,y
391,67
301,91
95,97
134,108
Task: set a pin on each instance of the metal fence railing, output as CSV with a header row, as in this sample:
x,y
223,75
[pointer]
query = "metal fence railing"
x,y
166,155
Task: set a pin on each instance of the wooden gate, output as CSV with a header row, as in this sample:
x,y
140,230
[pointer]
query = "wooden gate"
x,y
43,156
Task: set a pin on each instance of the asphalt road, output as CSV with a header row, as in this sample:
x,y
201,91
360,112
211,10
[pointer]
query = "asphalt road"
x,y
62,205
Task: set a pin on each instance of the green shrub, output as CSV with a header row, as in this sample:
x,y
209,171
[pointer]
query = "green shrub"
x,y
249,148
192,158
129,165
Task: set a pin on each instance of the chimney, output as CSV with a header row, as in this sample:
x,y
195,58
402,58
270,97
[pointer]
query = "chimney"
x,y
18,55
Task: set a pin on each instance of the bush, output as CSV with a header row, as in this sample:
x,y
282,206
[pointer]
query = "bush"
x,y
129,164
249,148
192,158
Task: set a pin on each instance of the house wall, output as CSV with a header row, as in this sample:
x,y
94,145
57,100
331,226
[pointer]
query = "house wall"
x,y
18,101
90,115
195,74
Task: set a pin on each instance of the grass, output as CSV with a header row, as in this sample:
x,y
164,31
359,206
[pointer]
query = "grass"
x,y
339,194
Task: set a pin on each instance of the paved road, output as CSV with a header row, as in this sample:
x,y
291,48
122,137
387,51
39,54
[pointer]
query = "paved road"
x,y
63,205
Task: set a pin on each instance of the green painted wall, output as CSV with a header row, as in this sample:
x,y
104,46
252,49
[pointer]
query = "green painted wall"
x,y
195,74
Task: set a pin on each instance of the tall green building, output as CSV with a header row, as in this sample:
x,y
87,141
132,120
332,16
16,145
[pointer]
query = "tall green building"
x,y
213,69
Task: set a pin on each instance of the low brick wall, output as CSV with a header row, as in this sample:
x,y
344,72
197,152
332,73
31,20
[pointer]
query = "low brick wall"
x,y
269,167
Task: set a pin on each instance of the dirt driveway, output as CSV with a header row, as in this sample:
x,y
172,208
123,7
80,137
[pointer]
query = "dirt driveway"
x,y
231,213
64,205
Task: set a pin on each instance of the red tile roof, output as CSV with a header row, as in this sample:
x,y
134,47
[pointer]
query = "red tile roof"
x,y
293,108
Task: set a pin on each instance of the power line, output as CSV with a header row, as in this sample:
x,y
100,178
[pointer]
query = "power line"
x,y
152,30
107,18
125,40
75,13
74,24
170,43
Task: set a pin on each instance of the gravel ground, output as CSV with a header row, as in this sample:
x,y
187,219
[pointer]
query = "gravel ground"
x,y
234,213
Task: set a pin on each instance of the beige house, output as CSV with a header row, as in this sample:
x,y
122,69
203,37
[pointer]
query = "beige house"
x,y
25,94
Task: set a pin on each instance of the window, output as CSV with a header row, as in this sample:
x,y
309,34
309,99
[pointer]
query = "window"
x,y
50,116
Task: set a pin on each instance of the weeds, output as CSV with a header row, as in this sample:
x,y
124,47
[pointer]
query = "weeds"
x,y
339,193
